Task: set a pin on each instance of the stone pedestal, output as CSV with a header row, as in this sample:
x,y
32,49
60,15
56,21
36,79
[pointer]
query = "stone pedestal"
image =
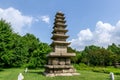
x,y
60,70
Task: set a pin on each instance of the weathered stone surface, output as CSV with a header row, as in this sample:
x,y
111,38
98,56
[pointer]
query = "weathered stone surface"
x,y
49,62
59,66
117,65
61,74
55,61
62,61
69,54
53,54
67,62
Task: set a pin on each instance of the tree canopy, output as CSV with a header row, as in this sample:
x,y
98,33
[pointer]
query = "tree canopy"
x,y
98,56
20,51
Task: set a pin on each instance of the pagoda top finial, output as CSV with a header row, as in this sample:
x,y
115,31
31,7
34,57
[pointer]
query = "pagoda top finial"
x,y
60,12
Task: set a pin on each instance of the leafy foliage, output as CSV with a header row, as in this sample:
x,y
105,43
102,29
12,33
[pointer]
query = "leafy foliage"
x,y
97,56
20,51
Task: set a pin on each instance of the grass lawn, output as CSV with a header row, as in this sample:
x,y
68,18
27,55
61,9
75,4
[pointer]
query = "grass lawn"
x,y
36,74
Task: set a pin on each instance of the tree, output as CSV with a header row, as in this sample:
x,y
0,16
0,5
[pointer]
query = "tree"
x,y
116,52
37,51
97,56
114,48
20,51
6,43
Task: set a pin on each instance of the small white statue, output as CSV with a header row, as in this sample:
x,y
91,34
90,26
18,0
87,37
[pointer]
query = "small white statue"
x,y
26,70
111,76
20,76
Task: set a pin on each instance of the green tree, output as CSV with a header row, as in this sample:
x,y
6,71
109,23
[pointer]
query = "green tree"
x,y
97,56
115,49
18,51
6,43
37,51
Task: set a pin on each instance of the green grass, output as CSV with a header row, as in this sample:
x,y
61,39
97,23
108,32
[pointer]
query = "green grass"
x,y
107,69
36,74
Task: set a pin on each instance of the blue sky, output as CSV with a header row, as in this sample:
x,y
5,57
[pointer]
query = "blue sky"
x,y
89,21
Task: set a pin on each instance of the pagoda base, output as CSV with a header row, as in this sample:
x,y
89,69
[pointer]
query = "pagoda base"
x,y
60,74
59,70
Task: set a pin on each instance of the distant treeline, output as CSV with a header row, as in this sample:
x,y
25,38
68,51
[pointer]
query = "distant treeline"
x,y
29,51
97,56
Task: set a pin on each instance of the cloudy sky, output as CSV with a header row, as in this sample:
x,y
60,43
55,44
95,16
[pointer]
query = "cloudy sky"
x,y
90,22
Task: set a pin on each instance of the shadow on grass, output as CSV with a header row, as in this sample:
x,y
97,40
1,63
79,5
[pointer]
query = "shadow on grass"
x,y
40,72
1,69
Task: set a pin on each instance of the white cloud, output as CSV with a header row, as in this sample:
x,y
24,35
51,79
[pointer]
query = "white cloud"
x,y
85,35
45,19
16,18
103,35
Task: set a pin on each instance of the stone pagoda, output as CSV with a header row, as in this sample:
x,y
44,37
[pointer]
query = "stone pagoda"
x,y
59,63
